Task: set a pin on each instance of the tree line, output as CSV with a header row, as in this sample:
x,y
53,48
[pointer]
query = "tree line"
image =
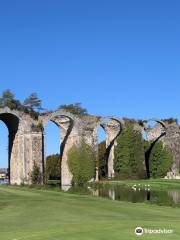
x,y
32,104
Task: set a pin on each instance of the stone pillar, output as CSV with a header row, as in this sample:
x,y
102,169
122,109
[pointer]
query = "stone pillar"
x,y
26,150
69,137
172,140
36,154
90,136
113,129
110,136
73,135
15,160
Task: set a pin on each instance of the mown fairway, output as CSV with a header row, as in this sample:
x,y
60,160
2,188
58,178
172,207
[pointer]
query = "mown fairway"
x,y
33,214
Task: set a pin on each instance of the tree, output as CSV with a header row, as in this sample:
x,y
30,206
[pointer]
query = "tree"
x,y
101,160
52,170
160,161
81,161
129,154
8,100
74,108
170,120
7,95
33,103
35,174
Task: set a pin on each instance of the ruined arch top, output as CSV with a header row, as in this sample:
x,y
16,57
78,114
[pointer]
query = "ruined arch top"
x,y
162,123
56,116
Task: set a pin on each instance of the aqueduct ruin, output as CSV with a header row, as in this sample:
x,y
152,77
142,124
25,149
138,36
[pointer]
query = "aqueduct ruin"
x,y
26,140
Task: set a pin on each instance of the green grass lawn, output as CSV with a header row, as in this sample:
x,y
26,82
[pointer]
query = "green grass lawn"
x,y
32,214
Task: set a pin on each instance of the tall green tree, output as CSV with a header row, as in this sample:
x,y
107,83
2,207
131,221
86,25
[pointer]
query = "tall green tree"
x,y
52,169
160,161
81,161
101,160
129,154
33,103
74,108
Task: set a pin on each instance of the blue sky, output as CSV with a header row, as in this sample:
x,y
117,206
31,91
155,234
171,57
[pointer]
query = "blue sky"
x,y
115,57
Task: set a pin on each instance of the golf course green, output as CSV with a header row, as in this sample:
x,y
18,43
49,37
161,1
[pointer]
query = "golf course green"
x,y
32,214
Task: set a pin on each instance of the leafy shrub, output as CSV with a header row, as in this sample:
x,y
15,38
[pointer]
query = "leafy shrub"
x,y
170,120
74,108
34,115
81,161
36,176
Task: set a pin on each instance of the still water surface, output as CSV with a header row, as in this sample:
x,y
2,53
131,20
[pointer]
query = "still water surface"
x,y
129,194
132,194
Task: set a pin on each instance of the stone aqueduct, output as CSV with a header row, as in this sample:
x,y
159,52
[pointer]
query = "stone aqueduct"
x,y
26,140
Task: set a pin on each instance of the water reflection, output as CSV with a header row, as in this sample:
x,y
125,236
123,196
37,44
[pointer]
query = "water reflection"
x,y
122,193
138,194
4,181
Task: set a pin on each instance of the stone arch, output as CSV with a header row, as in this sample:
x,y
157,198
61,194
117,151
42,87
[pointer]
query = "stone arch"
x,y
154,120
156,139
113,128
66,122
45,142
11,121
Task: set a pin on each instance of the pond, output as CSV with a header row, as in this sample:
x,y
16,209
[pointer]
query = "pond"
x,y
4,181
131,194
136,194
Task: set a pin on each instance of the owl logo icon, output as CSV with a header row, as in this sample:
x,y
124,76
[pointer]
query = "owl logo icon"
x,y
139,231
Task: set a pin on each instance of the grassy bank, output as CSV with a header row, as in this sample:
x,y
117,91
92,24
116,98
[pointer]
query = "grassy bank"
x,y
159,184
32,214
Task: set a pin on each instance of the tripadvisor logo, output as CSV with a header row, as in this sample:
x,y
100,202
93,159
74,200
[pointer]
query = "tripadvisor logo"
x,y
139,231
